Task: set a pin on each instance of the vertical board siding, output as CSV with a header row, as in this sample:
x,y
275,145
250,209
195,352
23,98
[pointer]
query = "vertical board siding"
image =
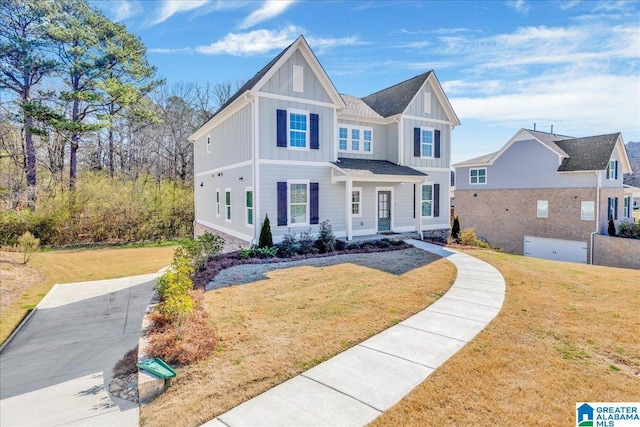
x,y
380,141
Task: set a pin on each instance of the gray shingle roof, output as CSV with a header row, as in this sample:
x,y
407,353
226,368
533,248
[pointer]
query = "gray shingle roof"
x,y
589,153
358,106
375,167
550,139
476,160
395,99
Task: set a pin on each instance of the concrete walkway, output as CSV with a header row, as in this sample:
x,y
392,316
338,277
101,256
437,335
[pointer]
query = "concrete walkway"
x,y
56,369
356,386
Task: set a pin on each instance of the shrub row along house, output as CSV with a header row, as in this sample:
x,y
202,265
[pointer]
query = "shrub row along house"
x,y
546,195
289,146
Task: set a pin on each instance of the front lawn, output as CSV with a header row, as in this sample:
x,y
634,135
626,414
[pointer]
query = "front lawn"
x,y
567,333
274,329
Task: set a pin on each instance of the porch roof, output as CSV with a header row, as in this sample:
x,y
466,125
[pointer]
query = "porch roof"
x,y
378,170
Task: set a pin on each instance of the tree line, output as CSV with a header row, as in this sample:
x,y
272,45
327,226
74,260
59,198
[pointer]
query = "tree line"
x,y
79,96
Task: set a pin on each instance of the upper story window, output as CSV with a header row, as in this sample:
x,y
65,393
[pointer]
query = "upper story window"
x,y
355,139
612,169
426,142
478,176
297,129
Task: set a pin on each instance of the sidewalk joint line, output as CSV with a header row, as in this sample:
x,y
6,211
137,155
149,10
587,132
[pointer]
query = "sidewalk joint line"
x,y
398,357
341,392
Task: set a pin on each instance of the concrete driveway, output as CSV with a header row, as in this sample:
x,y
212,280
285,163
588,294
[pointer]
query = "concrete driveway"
x,y
57,368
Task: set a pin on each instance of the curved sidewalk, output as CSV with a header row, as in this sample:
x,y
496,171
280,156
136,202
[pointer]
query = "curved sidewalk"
x,y
356,386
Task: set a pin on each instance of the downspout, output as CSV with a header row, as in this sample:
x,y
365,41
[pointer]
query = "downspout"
x,y
255,168
597,214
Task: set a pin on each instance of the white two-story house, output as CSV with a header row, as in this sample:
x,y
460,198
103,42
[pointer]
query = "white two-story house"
x,y
289,146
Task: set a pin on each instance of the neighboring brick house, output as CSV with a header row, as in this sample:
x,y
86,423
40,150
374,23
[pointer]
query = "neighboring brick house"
x,y
545,195
289,146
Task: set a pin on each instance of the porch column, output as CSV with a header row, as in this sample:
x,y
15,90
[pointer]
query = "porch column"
x,y
349,216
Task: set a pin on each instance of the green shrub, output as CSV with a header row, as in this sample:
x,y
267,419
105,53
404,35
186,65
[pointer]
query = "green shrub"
x,y
326,241
306,243
455,230
468,237
203,248
256,252
612,228
288,247
174,286
629,230
266,238
28,244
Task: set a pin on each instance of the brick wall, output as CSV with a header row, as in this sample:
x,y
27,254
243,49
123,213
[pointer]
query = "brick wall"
x,y
616,252
504,217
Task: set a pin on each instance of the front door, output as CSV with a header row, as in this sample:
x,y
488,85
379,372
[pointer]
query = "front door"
x,y
384,210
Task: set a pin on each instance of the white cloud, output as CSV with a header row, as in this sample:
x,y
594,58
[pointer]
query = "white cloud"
x,y
122,9
569,4
171,7
254,42
322,45
269,9
520,6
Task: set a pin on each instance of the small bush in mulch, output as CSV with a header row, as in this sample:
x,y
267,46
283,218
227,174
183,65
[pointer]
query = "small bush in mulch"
x,y
128,364
213,267
194,339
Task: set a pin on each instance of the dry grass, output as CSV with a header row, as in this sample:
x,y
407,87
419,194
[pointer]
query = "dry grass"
x,y
67,266
274,329
567,333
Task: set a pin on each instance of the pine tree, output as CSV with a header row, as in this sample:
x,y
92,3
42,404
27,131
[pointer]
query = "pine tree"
x,y
612,227
455,230
266,239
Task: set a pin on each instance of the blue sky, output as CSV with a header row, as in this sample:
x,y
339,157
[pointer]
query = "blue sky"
x,y
504,65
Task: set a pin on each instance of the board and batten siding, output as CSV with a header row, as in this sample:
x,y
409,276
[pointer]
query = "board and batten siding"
x,y
205,198
445,141
268,132
281,83
230,143
331,196
526,164
443,178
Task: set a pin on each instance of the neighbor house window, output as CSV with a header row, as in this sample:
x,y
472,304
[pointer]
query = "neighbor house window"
x,y
355,139
227,204
208,144
427,200
426,142
587,211
217,202
478,176
612,169
626,212
298,129
298,203
249,206
543,209
356,202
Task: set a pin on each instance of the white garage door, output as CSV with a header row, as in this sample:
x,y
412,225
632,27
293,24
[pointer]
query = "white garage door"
x,y
559,250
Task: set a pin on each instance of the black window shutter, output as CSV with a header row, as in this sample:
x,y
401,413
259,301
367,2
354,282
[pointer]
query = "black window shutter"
x,y
416,142
609,208
436,136
281,125
615,212
314,217
436,199
315,131
282,203
616,169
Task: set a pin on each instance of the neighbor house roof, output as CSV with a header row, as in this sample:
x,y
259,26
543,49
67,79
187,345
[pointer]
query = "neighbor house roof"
x,y
375,167
591,153
395,99
481,160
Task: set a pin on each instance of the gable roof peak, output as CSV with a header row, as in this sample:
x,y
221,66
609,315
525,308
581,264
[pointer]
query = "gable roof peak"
x,y
395,99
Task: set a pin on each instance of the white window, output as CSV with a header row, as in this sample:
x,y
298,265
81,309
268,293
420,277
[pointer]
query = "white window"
x,y
626,213
587,211
612,169
248,206
298,78
543,209
355,139
427,102
478,176
356,202
217,202
208,144
298,203
426,142
427,200
227,204
298,129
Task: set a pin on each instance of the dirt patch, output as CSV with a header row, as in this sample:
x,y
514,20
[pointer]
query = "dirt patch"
x,y
15,278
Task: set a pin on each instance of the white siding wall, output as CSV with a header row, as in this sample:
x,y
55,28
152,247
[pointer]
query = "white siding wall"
x,y
380,141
